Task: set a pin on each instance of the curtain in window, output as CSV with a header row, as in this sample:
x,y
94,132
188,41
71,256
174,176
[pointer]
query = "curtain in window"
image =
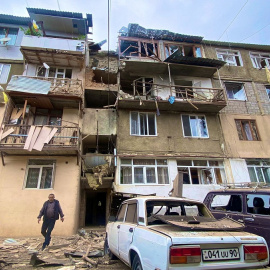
x,y
134,123
126,175
163,177
143,124
202,127
247,130
46,178
32,178
138,175
150,175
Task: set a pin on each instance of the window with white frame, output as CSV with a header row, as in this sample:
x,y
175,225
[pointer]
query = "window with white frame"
x,y
54,72
267,88
232,57
235,91
144,171
39,174
259,170
260,60
205,172
4,72
194,126
143,124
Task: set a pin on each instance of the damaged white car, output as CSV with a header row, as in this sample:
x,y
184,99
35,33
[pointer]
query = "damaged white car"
x,y
177,233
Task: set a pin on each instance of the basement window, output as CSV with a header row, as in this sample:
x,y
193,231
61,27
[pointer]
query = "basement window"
x,y
260,60
247,130
143,124
203,172
39,174
235,91
194,126
144,171
232,57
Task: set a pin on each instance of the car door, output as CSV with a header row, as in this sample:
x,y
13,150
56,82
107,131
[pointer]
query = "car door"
x,y
257,214
126,231
227,205
113,234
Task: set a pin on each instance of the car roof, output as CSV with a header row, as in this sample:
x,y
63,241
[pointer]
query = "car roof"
x,y
242,190
143,199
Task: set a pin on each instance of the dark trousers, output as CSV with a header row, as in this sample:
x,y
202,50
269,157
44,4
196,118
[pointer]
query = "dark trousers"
x,y
46,230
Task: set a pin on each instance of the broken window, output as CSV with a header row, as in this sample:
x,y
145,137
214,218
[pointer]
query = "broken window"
x,y
54,72
204,172
184,49
258,204
194,126
140,48
144,171
10,34
232,57
48,117
233,203
4,72
39,174
143,86
259,170
260,60
183,89
235,91
143,124
247,130
267,88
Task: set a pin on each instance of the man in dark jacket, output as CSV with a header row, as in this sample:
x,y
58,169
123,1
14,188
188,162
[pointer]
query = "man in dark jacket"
x,y
50,211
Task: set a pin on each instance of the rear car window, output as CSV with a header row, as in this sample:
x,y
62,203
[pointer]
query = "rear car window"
x,y
258,204
227,202
132,213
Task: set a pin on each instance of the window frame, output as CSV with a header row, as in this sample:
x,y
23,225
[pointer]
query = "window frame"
x,y
47,71
30,166
1,71
182,46
254,56
221,52
208,167
244,135
197,128
235,99
144,167
260,167
139,124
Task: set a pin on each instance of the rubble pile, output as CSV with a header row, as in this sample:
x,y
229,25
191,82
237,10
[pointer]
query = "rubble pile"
x,y
81,251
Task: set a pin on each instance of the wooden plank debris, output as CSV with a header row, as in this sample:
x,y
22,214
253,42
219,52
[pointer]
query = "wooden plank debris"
x,y
52,133
44,133
5,134
29,137
34,138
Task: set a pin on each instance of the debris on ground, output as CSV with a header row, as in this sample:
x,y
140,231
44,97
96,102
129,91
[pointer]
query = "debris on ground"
x,y
81,251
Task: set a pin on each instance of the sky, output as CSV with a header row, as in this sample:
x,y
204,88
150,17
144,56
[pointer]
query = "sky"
x,y
245,21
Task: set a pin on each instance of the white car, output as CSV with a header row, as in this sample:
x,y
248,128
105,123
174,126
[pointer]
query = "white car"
x,y
161,233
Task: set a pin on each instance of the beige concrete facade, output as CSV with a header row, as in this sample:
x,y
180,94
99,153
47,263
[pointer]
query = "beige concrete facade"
x,y
20,217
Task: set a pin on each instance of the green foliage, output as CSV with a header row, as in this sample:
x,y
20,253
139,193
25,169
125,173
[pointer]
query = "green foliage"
x,y
28,31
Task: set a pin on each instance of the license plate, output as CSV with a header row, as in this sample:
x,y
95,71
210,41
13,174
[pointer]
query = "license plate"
x,y
220,254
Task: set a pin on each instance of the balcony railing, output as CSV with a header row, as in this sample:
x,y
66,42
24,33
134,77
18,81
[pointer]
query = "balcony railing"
x,y
182,93
64,136
59,86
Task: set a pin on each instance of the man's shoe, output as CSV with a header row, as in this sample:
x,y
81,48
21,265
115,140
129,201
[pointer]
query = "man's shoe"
x,y
43,247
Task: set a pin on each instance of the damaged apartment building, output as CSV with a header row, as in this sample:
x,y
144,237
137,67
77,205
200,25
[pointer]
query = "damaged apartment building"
x,y
94,127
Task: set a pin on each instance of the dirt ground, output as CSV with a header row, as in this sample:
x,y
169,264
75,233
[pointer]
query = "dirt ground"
x,y
63,253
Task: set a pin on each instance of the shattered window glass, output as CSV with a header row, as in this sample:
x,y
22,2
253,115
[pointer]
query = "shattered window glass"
x,y
235,91
194,126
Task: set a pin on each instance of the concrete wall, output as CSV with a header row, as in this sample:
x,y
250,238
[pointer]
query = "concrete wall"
x,y
170,139
104,118
246,149
20,206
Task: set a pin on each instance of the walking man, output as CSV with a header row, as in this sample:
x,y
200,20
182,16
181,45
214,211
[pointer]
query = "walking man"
x,y
50,211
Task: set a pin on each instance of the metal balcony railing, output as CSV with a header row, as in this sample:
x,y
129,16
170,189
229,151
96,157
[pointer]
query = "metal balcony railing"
x,y
181,93
65,136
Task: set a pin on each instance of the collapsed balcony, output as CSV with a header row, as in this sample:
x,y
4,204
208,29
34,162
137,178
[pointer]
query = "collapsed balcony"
x,y
36,139
42,85
172,97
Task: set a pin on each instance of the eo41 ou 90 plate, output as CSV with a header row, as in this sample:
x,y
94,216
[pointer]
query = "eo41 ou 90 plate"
x,y
220,254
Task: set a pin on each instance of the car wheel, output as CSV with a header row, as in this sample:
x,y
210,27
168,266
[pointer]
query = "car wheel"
x,y
107,250
136,264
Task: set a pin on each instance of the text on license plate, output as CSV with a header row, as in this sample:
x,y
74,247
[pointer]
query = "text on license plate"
x,y
220,254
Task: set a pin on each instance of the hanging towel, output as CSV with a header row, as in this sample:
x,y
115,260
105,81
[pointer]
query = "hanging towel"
x,y
171,99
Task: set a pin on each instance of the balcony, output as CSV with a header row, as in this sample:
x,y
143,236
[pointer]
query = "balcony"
x,y
50,86
185,98
37,140
53,51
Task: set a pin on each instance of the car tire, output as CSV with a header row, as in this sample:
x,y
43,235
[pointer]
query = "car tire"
x,y
107,250
136,264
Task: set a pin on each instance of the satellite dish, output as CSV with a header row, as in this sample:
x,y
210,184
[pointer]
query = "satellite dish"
x,y
46,66
5,39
